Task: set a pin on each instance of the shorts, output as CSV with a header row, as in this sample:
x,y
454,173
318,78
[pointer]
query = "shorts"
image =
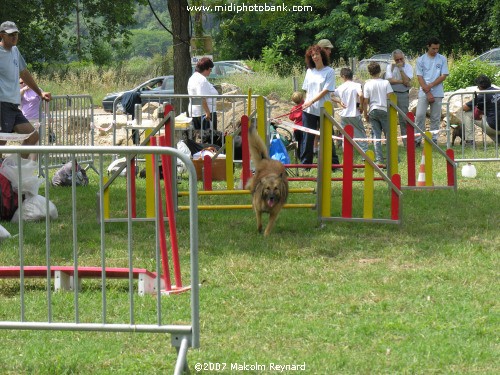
x,y
10,116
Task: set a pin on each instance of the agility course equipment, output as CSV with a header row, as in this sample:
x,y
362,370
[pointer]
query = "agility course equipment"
x,y
54,313
327,123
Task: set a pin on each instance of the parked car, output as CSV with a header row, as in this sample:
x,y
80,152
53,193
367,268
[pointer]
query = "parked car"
x,y
383,59
237,62
163,85
491,57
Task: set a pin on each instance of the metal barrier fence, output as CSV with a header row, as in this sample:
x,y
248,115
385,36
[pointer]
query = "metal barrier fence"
x,y
68,120
485,147
122,313
229,110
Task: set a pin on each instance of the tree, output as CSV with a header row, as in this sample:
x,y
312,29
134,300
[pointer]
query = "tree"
x,y
49,32
179,16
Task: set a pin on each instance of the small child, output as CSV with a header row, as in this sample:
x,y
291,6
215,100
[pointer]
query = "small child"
x,y
376,93
296,117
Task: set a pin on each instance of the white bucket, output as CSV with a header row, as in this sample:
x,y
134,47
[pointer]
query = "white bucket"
x,y
469,171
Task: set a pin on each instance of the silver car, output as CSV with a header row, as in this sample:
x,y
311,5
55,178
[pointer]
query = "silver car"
x,y
491,57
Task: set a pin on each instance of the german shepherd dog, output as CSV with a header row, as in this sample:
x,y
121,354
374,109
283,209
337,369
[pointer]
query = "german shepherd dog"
x,y
269,185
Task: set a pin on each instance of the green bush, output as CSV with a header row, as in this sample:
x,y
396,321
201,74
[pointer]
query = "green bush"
x,y
464,71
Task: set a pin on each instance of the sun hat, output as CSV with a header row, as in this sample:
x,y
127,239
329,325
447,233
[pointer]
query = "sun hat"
x,y
8,27
325,43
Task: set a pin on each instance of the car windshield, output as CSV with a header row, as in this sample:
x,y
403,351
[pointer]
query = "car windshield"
x,y
492,55
168,83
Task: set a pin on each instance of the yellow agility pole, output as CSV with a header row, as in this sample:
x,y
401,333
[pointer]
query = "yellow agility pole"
x,y
249,103
392,137
241,192
428,160
368,187
245,206
229,162
261,118
105,198
325,151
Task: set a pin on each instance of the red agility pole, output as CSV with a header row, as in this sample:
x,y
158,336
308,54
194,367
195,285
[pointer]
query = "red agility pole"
x,y
396,180
410,149
347,174
449,168
167,181
133,190
161,227
207,173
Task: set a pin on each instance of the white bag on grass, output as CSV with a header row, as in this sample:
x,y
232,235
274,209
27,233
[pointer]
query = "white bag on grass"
x,y
29,171
4,233
35,208
181,146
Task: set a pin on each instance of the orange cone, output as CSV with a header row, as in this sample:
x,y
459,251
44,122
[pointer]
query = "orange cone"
x,y
421,172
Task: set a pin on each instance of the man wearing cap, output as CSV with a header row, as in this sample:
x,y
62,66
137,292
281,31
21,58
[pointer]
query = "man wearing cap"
x,y
327,46
12,68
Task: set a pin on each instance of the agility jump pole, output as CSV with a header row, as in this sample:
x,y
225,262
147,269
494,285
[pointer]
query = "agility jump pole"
x,y
325,157
169,202
324,184
167,124
429,149
392,138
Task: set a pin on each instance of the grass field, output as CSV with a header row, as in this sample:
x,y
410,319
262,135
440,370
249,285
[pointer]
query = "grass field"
x,y
345,298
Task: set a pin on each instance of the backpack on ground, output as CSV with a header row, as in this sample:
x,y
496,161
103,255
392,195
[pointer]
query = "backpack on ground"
x,y
64,176
8,199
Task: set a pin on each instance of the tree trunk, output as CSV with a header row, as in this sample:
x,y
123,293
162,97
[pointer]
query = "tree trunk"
x,y
179,16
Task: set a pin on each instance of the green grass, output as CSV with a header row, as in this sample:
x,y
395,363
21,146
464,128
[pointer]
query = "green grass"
x,y
347,298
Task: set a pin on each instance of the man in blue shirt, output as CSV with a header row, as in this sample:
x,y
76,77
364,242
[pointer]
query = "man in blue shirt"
x,y
432,70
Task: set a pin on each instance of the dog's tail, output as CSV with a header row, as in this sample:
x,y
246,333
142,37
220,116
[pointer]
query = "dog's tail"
x,y
258,149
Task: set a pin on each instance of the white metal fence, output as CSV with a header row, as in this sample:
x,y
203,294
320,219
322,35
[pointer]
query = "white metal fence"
x,y
27,315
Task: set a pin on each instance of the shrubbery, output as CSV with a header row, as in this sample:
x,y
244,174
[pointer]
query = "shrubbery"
x,y
463,73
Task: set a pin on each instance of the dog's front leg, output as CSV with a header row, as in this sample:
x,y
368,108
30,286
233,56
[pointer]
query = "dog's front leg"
x,y
258,215
272,218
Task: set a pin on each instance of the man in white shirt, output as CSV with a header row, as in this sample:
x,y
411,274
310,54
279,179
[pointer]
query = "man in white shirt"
x,y
400,74
432,70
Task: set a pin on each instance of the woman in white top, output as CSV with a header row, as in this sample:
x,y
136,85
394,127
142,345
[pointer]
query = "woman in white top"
x,y
318,84
202,110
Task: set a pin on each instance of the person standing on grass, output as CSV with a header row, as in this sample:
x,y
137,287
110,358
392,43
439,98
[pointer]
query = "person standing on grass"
x,y
400,74
12,68
319,82
350,95
432,70
376,93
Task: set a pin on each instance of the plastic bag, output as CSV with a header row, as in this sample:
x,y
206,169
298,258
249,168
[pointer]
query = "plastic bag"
x,y
182,147
35,208
29,171
4,233
117,164
278,151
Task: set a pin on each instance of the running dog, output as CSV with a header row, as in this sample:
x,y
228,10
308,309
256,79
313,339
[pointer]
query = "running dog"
x,y
269,185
